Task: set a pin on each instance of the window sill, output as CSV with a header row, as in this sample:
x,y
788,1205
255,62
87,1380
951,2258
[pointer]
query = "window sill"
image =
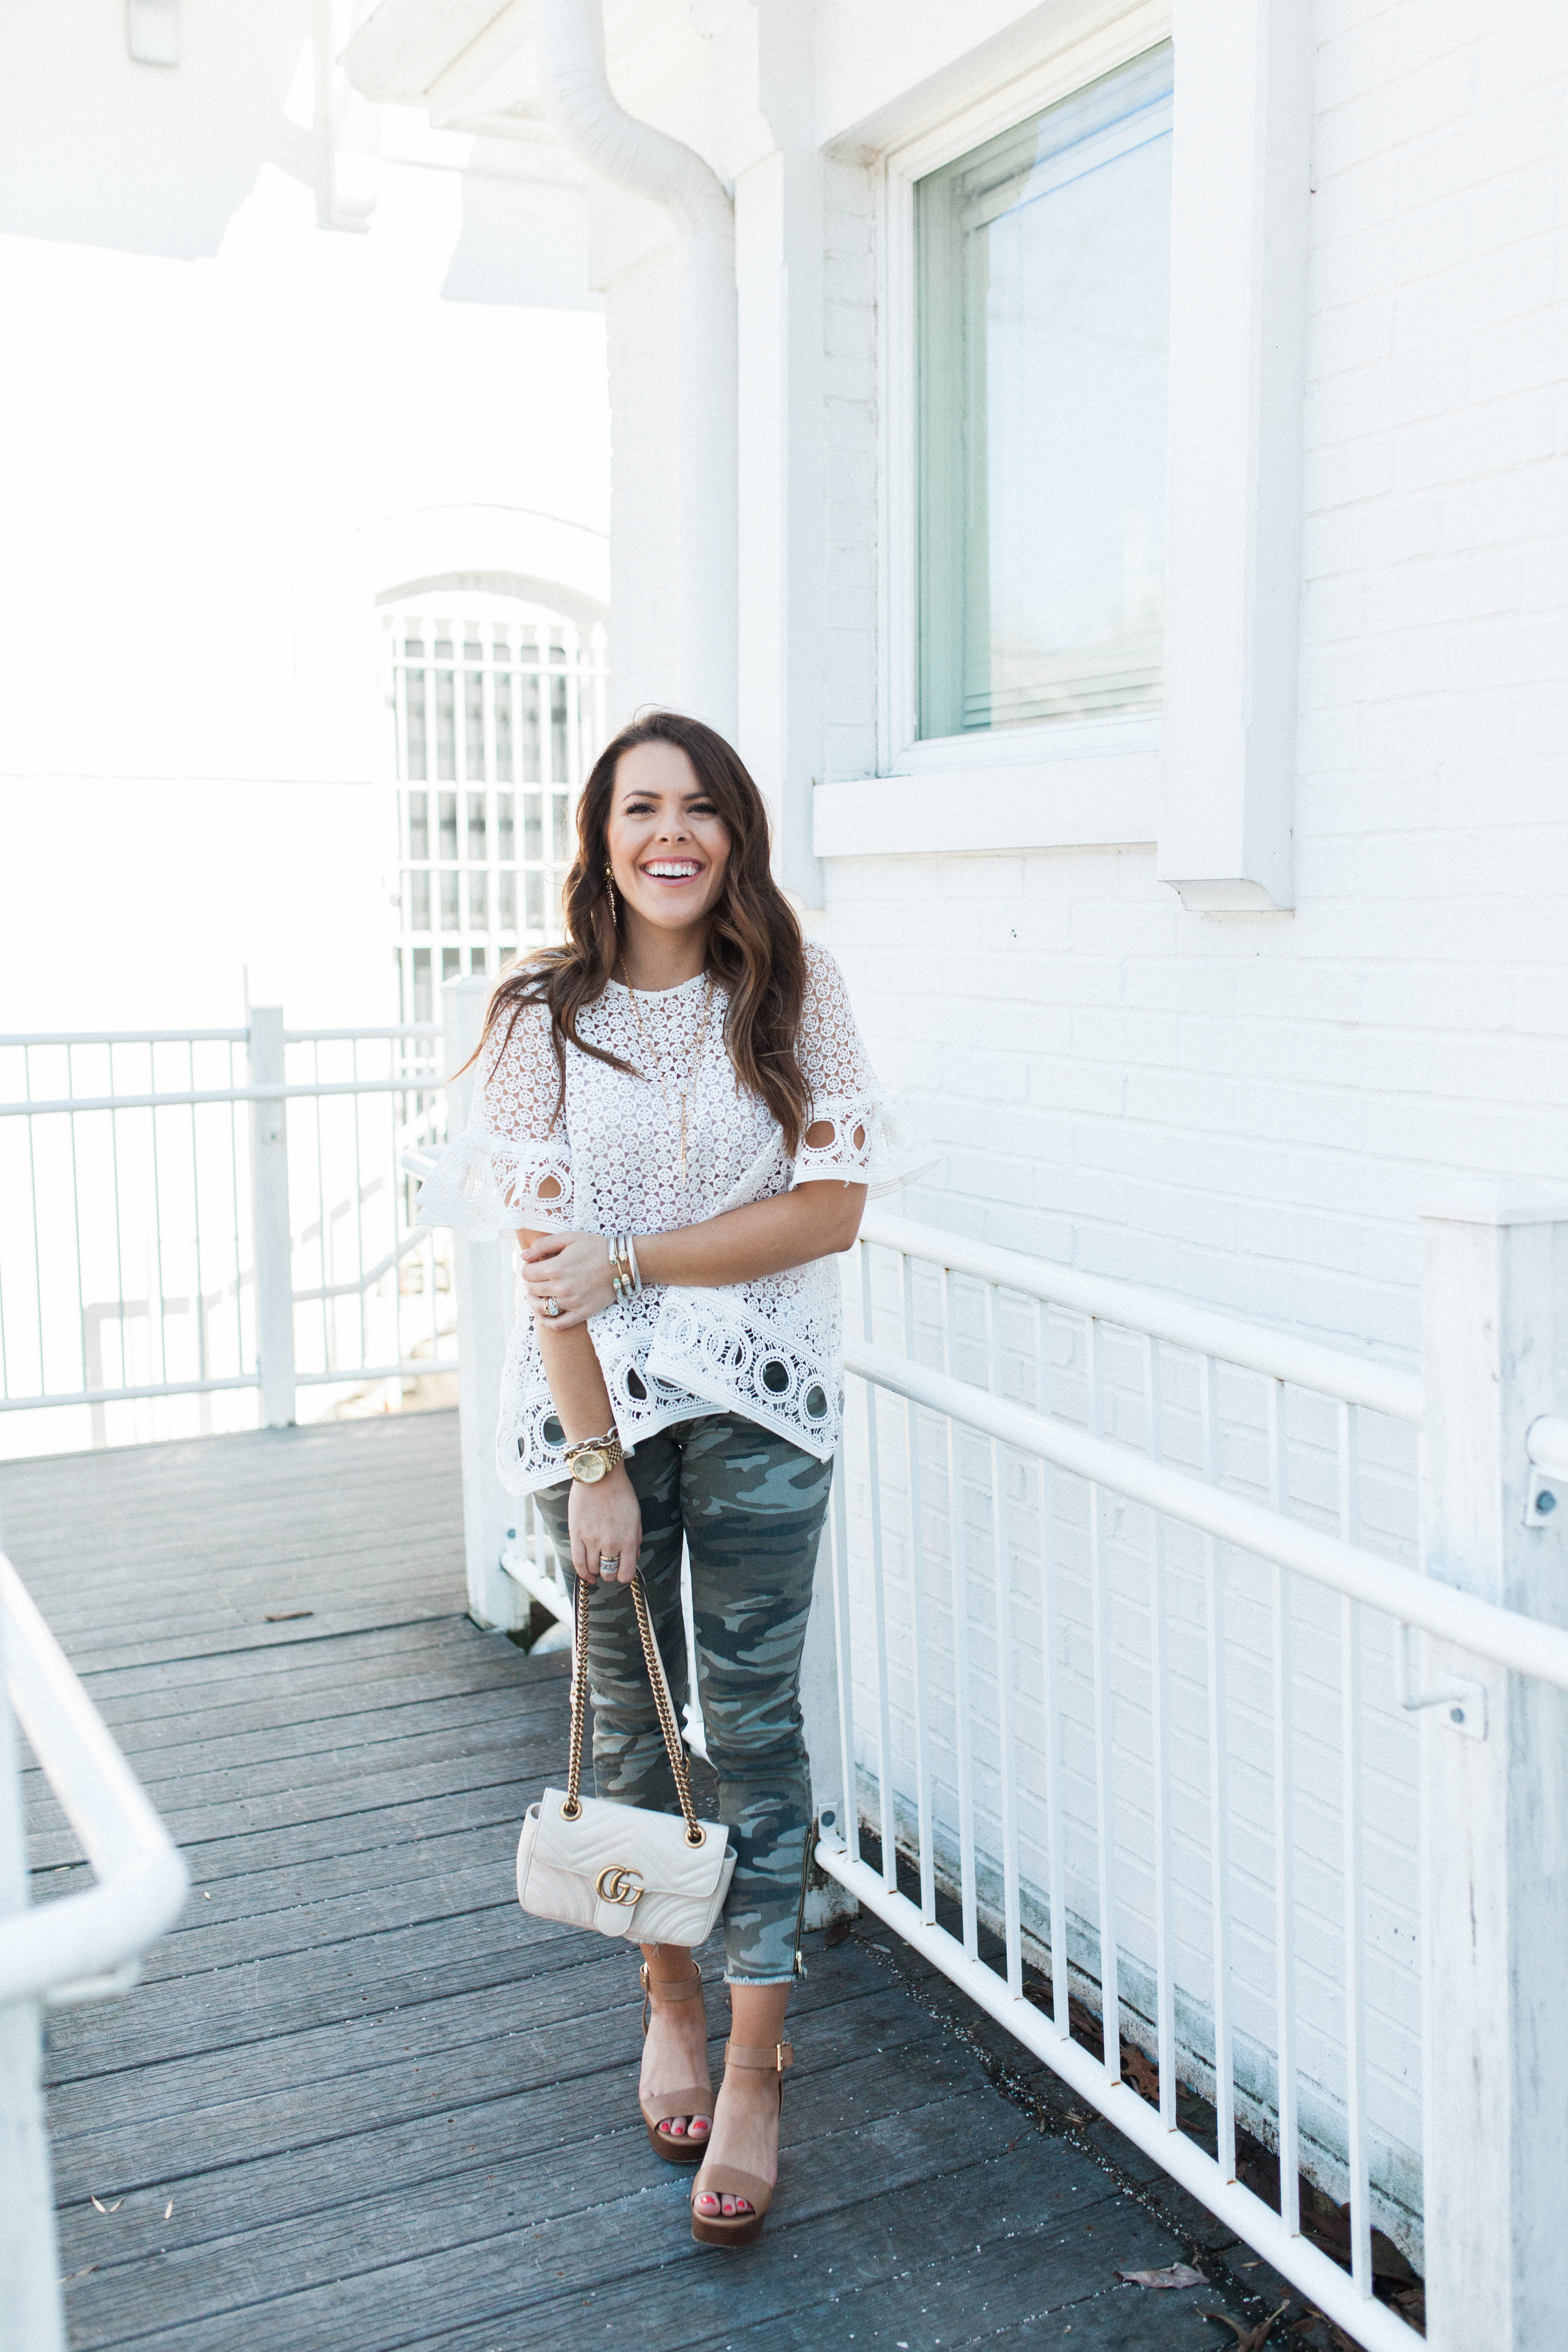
x,y
964,806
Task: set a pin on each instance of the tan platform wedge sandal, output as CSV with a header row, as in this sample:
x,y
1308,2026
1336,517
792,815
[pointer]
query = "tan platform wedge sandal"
x,y
728,2179
695,2099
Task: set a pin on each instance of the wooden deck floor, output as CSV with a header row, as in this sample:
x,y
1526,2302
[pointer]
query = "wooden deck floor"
x,y
359,2101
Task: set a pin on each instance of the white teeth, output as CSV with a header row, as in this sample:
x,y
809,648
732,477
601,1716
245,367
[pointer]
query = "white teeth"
x,y
673,873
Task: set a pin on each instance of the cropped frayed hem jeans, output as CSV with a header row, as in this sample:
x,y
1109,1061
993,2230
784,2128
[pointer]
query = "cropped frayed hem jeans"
x,y
751,1508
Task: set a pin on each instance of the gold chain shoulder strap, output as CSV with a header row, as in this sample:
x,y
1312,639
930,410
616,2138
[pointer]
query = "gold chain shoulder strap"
x,y
674,1748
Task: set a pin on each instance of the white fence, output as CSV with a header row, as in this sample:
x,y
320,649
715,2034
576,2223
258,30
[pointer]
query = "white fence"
x,y
79,1947
1130,1602
174,1229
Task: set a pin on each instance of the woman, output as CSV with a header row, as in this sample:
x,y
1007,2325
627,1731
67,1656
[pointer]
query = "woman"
x,y
675,1115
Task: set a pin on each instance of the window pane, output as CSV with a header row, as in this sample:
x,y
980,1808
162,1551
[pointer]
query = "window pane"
x,y
503,687
419,824
533,826
558,768
445,722
559,826
506,902
477,826
474,710
449,922
419,909
478,902
451,963
535,885
475,959
530,770
447,810
506,838
422,1006
1043,265
413,754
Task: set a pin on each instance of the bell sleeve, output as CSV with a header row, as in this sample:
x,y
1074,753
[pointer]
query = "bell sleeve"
x,y
872,1139
511,1165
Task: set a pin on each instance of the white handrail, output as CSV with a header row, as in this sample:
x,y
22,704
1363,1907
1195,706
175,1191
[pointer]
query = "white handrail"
x,y
1525,1644
425,1082
87,1944
1333,1371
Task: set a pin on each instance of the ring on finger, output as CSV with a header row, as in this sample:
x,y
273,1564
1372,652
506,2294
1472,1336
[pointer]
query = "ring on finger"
x,y
609,1567
552,1309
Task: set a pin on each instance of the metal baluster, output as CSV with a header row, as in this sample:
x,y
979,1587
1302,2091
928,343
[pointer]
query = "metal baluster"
x,y
1354,1903
917,1612
76,1214
1055,1859
1159,1667
1284,1836
38,1250
319,1107
1104,1762
889,1826
1218,1798
960,1650
119,1241
157,1226
841,1558
1001,1558
234,1186
357,1115
201,1366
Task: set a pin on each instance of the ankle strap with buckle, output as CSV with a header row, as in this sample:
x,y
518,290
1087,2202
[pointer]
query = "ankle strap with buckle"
x,y
672,1987
763,2058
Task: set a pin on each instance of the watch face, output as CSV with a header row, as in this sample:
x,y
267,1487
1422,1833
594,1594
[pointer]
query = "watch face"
x,y
589,1468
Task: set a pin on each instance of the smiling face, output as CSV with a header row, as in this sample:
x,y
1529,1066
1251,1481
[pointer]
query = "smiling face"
x,y
668,846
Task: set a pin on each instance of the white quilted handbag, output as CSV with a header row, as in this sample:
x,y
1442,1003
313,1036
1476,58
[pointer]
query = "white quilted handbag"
x,y
652,1878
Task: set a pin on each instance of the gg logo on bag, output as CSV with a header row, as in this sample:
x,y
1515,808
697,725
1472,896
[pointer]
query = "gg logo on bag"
x,y
619,1885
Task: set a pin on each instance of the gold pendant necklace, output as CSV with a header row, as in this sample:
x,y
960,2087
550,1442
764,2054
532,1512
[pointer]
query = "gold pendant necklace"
x,y
697,1044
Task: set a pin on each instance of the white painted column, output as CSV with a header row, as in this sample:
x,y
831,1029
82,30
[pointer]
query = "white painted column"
x,y
29,2253
768,144
1241,176
274,1244
1494,1811
482,1275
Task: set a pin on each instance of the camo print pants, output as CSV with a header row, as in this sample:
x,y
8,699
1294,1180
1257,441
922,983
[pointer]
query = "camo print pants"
x,y
751,1506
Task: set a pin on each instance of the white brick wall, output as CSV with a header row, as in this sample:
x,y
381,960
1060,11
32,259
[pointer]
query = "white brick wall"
x,y
1252,1109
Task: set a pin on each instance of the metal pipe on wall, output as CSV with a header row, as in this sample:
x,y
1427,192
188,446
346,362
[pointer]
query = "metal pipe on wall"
x,y
578,100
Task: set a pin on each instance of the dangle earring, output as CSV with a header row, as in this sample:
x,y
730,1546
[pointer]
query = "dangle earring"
x,y
610,890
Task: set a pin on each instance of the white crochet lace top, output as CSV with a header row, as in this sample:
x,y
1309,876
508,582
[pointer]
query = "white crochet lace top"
x,y
772,1349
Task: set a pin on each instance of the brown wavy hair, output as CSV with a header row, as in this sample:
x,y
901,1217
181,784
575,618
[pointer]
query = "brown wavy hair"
x,y
754,950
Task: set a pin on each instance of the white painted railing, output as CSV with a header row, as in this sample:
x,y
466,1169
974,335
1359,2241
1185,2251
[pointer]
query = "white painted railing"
x,y
77,1948
162,1243
1123,1591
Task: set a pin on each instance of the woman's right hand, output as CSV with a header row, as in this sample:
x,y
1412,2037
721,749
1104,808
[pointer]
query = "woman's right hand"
x,y
605,1520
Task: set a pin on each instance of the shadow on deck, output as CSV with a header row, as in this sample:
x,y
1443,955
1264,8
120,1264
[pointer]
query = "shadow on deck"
x,y
359,2101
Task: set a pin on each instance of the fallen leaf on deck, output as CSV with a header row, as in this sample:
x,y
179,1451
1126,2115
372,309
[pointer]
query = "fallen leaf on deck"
x,y
287,1616
102,2207
1248,2339
169,2211
1141,2071
1174,2274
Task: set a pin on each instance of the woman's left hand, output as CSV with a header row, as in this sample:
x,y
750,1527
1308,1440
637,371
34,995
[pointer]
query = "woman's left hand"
x,y
572,1269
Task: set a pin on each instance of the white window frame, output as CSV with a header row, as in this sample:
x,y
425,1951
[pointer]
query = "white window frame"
x,y
1207,779
1063,782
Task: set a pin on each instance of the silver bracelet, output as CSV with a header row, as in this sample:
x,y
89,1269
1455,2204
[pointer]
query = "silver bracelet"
x,y
631,1256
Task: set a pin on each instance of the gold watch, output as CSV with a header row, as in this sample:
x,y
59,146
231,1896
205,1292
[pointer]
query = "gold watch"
x,y
593,1458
